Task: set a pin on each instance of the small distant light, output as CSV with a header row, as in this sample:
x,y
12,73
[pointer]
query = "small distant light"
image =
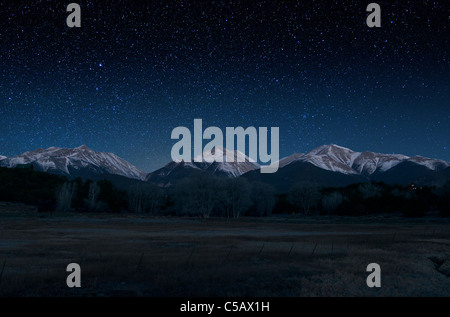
x,y
100,65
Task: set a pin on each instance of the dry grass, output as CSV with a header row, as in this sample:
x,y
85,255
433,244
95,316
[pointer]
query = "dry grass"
x,y
134,256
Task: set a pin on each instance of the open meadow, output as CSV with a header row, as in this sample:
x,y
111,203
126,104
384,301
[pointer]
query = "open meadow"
x,y
289,255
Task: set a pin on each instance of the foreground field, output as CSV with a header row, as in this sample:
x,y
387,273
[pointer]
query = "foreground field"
x,y
279,256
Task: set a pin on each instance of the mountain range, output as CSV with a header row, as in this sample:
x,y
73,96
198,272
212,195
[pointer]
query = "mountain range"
x,y
78,162
327,165
213,162
335,166
343,160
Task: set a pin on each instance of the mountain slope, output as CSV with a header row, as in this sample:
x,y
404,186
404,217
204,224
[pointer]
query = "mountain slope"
x,y
340,159
333,158
213,162
304,172
171,173
368,163
216,162
410,172
80,161
334,165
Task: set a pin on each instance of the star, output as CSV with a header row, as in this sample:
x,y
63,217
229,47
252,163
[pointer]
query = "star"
x,y
275,64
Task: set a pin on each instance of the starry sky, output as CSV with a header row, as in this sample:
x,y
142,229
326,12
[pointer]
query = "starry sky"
x,y
136,70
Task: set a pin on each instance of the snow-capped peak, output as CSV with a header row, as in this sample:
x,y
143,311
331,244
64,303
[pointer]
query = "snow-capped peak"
x,y
83,147
332,157
329,148
2,157
221,154
344,160
65,161
213,161
220,160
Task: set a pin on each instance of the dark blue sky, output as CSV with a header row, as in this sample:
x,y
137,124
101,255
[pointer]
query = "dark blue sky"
x,y
133,72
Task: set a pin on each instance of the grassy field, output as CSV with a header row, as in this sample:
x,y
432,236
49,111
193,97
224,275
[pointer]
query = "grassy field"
x,y
278,256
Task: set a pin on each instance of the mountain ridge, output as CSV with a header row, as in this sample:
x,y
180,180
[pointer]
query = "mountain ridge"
x,y
340,159
328,163
213,162
66,160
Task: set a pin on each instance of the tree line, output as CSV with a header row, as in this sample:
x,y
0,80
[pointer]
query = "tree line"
x,y
204,195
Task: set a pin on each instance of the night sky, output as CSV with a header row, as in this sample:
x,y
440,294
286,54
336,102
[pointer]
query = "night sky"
x,y
133,72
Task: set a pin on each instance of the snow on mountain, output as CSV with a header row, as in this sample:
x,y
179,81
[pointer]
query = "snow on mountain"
x,y
369,162
221,154
222,161
289,159
213,162
432,164
82,160
329,157
333,158
56,159
340,159
170,167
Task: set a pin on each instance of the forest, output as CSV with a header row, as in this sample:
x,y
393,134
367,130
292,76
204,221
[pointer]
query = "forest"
x,y
203,195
